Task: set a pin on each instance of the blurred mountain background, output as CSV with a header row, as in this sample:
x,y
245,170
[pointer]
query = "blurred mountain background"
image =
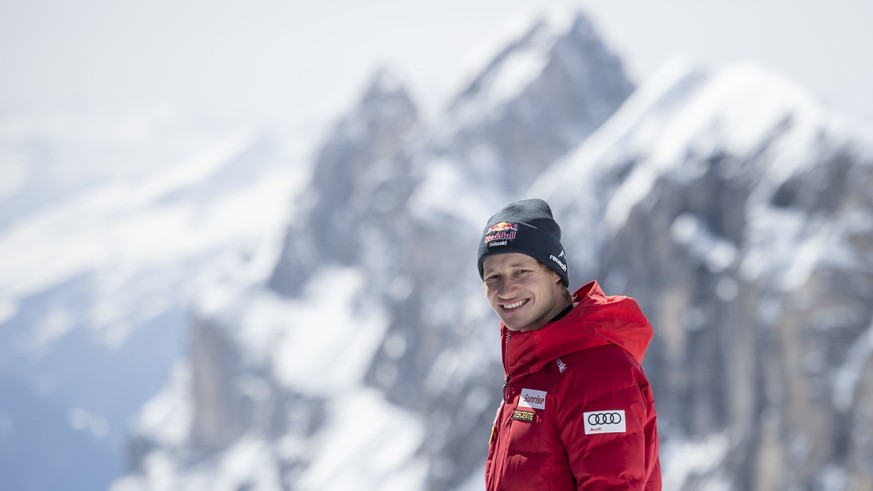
x,y
190,301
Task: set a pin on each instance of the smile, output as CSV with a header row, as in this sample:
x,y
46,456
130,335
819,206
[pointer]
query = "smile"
x,y
512,306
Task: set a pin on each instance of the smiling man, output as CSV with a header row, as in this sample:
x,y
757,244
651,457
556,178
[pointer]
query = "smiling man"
x,y
577,410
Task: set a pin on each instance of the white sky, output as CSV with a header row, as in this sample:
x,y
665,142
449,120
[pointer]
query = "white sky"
x,y
296,64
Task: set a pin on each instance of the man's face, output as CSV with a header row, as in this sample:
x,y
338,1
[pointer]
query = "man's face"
x,y
524,293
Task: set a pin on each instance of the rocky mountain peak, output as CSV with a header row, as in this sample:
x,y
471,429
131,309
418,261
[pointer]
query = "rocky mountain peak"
x,y
520,59
557,74
362,152
728,209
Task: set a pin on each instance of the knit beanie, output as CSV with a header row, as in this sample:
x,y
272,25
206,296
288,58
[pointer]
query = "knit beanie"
x,y
527,227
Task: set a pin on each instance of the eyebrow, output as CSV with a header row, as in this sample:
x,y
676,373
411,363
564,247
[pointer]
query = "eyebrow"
x,y
515,265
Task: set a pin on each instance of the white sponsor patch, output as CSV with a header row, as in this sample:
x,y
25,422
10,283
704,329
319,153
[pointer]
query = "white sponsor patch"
x,y
609,421
535,399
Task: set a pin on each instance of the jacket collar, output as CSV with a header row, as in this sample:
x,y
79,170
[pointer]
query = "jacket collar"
x,y
596,320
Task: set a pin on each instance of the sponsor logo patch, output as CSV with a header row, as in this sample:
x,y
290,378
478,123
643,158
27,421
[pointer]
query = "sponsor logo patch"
x,y
526,416
608,421
557,261
534,399
500,234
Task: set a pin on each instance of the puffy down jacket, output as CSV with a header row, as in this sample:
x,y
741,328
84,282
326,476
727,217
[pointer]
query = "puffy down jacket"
x,y
577,412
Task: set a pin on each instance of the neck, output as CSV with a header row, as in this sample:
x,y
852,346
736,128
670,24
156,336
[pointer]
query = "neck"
x,y
566,310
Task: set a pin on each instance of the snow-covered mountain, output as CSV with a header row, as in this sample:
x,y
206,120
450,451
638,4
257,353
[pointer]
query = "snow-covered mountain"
x,y
362,354
336,367
95,281
737,209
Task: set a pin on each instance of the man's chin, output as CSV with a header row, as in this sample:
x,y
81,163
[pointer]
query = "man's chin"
x,y
516,327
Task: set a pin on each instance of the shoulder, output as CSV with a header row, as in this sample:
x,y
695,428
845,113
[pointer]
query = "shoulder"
x,y
603,371
606,358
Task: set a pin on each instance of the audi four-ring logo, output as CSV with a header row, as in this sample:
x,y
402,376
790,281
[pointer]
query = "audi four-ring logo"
x,y
604,418
606,421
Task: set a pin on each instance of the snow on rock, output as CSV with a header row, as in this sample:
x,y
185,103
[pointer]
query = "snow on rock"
x,y
131,236
324,332
99,265
514,60
732,205
370,444
735,207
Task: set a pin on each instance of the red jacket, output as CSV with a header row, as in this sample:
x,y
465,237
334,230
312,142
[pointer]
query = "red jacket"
x,y
577,412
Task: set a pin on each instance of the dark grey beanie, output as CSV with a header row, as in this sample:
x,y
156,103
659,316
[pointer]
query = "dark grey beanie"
x,y
527,227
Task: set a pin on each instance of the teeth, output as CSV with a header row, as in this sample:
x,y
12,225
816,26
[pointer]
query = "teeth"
x,y
513,305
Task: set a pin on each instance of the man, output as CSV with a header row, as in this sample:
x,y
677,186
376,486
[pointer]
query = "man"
x,y
577,410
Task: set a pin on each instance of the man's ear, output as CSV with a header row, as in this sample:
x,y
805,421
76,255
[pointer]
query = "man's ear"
x,y
557,278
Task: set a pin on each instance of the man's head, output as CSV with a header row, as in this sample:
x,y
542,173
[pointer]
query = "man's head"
x,y
526,227
522,264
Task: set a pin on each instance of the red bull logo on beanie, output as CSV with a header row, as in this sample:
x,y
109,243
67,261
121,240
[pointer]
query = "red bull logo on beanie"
x,y
503,231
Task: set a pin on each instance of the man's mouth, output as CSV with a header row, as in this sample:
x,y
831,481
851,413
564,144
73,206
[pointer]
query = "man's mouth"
x,y
514,305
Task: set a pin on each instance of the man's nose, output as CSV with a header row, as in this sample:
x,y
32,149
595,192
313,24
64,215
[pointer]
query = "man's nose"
x,y
507,285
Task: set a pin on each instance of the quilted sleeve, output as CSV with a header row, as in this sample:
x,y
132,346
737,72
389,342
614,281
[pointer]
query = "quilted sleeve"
x,y
606,420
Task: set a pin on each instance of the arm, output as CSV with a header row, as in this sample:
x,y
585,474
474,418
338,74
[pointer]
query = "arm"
x,y
607,422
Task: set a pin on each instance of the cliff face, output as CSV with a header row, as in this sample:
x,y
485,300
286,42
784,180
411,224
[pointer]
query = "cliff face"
x,y
738,216
734,208
390,195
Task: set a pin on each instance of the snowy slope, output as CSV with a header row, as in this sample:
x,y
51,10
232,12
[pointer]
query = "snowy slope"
x,y
95,282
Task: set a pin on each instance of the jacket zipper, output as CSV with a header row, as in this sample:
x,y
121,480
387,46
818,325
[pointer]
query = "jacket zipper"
x,y
506,367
